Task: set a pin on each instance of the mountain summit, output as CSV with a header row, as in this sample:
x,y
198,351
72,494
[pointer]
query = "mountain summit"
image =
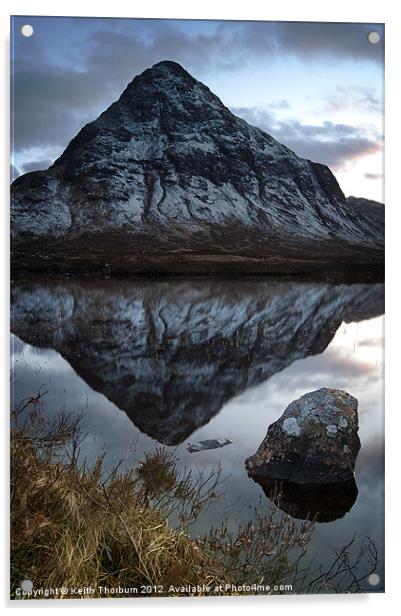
x,y
168,179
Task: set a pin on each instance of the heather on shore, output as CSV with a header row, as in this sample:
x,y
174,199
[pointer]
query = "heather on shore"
x,y
75,524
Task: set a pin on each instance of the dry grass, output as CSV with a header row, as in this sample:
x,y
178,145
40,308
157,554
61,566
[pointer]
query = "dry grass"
x,y
76,526
71,526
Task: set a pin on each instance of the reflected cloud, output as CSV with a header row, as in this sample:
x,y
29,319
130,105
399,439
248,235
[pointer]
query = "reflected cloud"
x,y
371,342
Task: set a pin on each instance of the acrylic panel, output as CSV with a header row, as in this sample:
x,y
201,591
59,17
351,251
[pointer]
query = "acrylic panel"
x,y
197,293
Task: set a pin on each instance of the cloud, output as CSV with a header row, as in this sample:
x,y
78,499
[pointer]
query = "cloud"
x,y
283,104
374,176
51,105
36,165
341,99
332,144
321,41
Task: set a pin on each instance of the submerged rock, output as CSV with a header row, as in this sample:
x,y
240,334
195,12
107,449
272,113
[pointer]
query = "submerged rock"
x,y
213,443
315,441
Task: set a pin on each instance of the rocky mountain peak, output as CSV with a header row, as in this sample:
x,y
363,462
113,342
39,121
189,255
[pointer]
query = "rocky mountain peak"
x,y
163,80
160,108
166,69
167,92
167,174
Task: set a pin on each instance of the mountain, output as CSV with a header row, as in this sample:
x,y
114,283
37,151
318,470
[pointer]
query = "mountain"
x,y
172,353
168,179
363,208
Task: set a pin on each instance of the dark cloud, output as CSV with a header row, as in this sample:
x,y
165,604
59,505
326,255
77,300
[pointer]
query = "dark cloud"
x,y
51,105
318,41
36,165
332,144
374,176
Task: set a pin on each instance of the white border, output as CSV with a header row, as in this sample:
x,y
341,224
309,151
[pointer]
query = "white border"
x,y
286,10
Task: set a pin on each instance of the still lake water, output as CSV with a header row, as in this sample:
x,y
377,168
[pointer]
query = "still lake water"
x,y
175,362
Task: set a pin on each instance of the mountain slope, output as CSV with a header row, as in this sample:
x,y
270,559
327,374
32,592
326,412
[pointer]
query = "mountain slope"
x,y
167,177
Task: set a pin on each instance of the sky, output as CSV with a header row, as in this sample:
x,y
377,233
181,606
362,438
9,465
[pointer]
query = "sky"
x,y
316,87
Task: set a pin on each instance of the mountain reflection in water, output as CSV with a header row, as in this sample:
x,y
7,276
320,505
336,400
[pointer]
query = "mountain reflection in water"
x,y
172,353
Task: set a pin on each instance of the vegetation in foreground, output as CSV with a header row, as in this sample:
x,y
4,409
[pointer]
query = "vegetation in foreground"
x,y
76,526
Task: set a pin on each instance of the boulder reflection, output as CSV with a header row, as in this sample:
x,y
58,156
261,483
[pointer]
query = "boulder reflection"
x,y
320,502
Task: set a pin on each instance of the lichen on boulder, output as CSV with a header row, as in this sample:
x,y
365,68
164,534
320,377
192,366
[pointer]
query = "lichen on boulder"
x,y
315,441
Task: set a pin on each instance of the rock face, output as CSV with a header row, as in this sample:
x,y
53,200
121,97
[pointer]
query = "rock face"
x,y
367,208
314,441
171,353
168,179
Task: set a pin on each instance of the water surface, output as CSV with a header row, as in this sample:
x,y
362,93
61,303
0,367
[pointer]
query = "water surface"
x,y
171,363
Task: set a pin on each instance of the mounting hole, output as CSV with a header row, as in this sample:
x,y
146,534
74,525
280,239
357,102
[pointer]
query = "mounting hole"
x,y
27,30
26,585
374,38
374,579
